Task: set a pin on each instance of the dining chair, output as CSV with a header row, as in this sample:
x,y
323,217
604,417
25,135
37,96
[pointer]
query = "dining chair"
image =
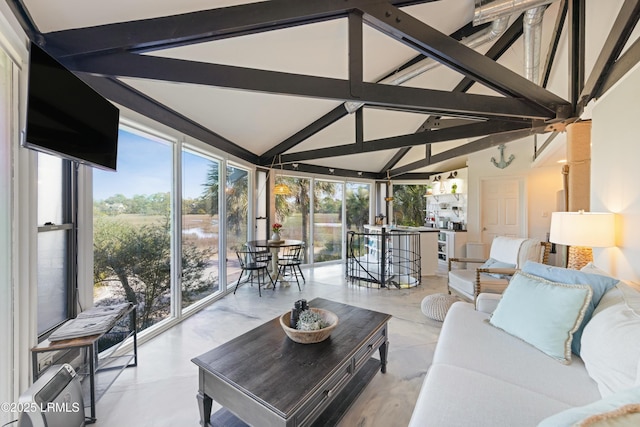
x,y
254,262
291,258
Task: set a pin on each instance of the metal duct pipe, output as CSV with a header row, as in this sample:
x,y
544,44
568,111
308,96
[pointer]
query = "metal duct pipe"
x,y
491,33
532,33
488,10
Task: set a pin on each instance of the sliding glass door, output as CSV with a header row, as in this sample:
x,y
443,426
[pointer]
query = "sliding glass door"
x,y
236,194
293,210
327,221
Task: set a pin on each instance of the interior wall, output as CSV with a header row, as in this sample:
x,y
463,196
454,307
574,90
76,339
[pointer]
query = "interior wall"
x,y
614,173
541,185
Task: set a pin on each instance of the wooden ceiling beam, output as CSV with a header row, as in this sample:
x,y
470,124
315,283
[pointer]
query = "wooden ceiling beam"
x,y
395,97
430,42
427,137
202,26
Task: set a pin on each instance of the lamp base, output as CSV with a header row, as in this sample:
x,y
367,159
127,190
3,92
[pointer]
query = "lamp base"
x,y
579,256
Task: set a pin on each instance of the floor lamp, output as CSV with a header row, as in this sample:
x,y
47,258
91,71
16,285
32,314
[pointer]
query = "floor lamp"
x,y
582,231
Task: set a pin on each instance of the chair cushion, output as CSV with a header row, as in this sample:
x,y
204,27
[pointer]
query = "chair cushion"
x,y
599,285
543,313
506,249
464,281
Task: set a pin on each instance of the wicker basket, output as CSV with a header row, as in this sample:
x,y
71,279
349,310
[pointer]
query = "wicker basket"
x,y
310,337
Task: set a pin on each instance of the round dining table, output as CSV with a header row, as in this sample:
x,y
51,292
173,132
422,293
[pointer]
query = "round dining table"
x,y
274,247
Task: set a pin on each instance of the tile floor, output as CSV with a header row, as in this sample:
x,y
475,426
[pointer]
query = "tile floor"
x,y
161,390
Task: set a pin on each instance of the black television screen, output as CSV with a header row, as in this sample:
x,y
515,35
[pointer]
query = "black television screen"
x,y
66,117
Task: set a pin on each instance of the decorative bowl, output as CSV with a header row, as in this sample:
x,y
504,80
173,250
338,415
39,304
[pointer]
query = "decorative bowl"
x,y
310,337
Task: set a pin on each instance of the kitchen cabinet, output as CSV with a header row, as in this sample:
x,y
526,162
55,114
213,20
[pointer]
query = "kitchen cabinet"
x,y
451,244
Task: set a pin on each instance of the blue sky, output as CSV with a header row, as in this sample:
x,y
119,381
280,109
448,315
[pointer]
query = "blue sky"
x,y
144,167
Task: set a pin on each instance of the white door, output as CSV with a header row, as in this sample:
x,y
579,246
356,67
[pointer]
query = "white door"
x,y
502,205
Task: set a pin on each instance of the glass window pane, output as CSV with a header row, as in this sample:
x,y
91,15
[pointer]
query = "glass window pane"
x,y
292,211
237,211
409,204
357,205
50,189
327,221
53,279
132,228
200,227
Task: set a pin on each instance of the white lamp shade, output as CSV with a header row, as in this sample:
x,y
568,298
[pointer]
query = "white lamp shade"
x,y
592,229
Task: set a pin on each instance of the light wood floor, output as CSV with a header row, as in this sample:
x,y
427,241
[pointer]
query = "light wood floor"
x,y
161,390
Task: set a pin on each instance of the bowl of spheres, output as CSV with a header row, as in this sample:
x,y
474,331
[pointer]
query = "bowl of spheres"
x,y
314,325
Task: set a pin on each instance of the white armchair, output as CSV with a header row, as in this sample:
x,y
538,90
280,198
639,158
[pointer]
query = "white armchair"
x,y
507,255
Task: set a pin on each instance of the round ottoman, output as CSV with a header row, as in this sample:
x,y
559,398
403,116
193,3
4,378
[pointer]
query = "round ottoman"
x,y
436,306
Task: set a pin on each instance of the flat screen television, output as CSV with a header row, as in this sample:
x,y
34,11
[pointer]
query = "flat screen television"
x,y
66,117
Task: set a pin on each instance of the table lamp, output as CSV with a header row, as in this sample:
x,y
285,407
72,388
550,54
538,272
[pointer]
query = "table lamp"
x,y
582,231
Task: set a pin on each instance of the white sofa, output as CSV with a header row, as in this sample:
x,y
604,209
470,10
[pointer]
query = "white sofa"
x,y
484,376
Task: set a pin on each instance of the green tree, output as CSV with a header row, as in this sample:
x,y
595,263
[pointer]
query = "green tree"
x,y
138,259
299,200
212,188
409,204
357,200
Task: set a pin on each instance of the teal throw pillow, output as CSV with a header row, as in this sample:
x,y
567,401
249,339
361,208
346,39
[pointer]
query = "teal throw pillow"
x,y
542,313
574,416
599,285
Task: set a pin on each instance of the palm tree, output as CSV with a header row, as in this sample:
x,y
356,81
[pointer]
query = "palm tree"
x,y
409,204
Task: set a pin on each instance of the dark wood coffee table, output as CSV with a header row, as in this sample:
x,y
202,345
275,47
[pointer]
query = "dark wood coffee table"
x,y
265,379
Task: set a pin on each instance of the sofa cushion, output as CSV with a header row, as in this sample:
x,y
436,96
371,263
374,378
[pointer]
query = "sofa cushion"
x,y
468,341
615,407
543,313
599,285
611,340
452,396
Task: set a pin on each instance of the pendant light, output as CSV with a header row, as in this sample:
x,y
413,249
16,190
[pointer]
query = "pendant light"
x,y
389,198
280,189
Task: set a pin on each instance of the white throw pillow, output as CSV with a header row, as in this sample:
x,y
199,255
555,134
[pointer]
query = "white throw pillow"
x,y
542,313
611,341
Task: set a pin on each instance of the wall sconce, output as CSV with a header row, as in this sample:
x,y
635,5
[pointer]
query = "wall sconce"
x,y
581,231
452,175
436,178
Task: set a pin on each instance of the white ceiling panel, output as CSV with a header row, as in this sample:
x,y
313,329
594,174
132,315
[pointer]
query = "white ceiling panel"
x,y
254,121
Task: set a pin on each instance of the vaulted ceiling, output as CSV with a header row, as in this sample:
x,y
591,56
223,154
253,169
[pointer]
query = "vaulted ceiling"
x,y
320,84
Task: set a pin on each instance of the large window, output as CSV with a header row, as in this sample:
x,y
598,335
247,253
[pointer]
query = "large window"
x,y
132,228
200,227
